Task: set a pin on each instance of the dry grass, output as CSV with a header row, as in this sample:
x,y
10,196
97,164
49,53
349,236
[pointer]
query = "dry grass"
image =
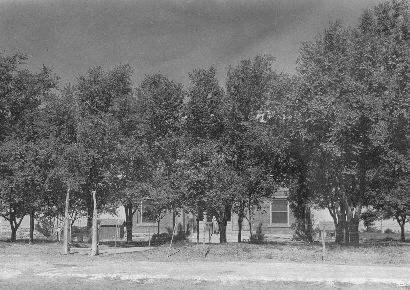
x,y
370,252
388,253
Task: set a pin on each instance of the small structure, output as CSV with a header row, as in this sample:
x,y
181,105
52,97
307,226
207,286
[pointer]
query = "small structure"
x,y
110,229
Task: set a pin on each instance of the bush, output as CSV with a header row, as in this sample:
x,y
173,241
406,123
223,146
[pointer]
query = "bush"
x,y
388,231
258,237
159,239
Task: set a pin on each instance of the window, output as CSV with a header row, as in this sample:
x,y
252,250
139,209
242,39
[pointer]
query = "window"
x,y
279,211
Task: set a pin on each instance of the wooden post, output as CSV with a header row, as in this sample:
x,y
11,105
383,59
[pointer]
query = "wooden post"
x,y
94,242
323,233
66,245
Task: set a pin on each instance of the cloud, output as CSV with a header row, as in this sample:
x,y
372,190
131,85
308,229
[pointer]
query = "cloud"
x,y
171,36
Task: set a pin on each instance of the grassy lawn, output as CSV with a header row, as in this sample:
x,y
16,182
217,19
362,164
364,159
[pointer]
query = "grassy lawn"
x,y
374,249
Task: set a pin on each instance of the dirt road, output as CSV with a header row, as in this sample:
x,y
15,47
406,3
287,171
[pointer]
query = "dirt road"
x,y
21,274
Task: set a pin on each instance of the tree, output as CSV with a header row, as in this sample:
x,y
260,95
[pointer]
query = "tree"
x,y
134,170
205,126
103,123
387,27
391,182
21,139
369,217
255,97
159,111
210,182
345,80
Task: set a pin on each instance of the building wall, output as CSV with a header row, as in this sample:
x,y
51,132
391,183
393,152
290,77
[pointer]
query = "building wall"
x,y
165,225
263,216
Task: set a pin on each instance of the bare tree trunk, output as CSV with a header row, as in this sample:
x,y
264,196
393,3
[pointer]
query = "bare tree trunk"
x,y
94,242
66,246
32,227
158,221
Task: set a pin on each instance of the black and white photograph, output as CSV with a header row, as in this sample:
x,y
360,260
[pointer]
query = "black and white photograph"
x,y
204,144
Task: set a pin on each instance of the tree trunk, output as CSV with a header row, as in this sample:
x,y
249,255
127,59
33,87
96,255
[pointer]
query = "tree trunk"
x,y
66,246
339,227
402,236
250,219
89,217
401,221
197,230
129,214
173,219
14,225
352,225
354,230
339,220
94,242
240,221
32,227
309,227
158,221
13,234
222,231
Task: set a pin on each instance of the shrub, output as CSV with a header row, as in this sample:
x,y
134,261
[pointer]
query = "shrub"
x,y
258,237
159,239
388,231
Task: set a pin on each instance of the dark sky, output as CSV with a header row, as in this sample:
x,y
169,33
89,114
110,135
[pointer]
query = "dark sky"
x,y
167,36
